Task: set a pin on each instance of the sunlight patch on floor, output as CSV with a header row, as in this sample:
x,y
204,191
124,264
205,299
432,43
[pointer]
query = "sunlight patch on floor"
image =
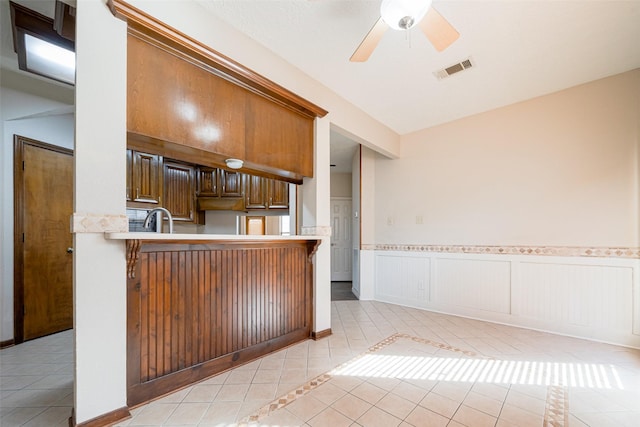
x,y
587,375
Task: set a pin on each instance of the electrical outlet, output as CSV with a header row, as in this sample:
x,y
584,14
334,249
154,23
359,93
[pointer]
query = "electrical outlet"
x,y
390,220
419,219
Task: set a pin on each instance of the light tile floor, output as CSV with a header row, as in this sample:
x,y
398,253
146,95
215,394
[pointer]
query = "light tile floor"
x,y
384,365
36,382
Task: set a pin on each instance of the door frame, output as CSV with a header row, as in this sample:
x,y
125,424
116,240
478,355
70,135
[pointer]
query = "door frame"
x,y
18,227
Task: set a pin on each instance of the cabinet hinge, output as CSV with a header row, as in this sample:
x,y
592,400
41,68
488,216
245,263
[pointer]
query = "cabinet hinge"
x,y
23,165
22,237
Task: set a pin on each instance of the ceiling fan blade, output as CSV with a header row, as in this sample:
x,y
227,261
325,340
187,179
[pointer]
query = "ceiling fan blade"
x,y
369,42
440,33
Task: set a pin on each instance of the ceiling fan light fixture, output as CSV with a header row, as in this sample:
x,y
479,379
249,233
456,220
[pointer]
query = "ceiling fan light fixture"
x,y
403,14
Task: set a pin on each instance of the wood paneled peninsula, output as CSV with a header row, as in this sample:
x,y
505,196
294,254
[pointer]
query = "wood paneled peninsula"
x,y
200,304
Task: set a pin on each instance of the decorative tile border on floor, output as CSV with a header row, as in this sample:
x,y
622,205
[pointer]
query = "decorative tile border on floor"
x,y
556,411
318,381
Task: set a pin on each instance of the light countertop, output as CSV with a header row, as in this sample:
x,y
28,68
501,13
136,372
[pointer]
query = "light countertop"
x,y
204,237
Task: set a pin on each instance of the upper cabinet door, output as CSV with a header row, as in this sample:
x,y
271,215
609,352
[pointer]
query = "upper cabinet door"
x,y
179,194
231,183
146,181
207,182
256,192
278,194
129,172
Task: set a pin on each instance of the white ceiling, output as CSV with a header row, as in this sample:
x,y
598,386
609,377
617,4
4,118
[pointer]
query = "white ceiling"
x,y
520,49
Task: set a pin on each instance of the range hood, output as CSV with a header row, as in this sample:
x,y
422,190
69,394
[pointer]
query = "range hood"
x,y
220,204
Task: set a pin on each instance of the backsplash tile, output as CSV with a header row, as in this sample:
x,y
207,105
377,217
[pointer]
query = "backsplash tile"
x,y
98,223
136,219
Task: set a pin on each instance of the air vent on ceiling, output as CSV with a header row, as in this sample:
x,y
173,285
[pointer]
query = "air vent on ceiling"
x,y
453,69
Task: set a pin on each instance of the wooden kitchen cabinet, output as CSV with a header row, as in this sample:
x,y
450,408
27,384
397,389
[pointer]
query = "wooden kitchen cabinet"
x,y
265,193
214,182
240,114
207,182
255,192
179,191
231,183
278,192
278,137
144,179
129,169
166,90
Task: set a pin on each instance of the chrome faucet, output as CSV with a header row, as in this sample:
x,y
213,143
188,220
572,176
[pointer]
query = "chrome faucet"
x,y
159,211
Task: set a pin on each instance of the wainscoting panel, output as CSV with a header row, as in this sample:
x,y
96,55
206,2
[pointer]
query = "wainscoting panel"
x,y
577,295
403,278
589,297
477,284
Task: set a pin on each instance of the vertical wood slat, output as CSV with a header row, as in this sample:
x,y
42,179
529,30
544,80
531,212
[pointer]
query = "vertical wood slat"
x,y
166,318
145,335
218,341
196,304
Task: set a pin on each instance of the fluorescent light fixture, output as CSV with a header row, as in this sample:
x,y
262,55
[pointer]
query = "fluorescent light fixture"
x,y
45,46
49,60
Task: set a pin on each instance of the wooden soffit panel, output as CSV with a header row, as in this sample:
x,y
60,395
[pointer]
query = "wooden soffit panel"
x,y
218,63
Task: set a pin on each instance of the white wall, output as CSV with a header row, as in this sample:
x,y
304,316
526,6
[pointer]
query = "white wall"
x,y
561,169
21,115
368,214
221,222
100,173
341,184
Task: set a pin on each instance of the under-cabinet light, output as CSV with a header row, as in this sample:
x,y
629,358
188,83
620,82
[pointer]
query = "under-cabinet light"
x,y
234,163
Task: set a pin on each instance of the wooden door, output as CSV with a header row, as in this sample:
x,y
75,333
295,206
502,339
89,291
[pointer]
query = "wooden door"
x,y
255,225
341,263
43,200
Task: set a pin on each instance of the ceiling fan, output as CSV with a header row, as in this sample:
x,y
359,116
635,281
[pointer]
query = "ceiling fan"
x,y
403,15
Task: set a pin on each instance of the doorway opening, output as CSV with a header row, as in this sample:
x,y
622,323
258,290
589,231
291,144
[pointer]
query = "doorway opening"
x,y
345,188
